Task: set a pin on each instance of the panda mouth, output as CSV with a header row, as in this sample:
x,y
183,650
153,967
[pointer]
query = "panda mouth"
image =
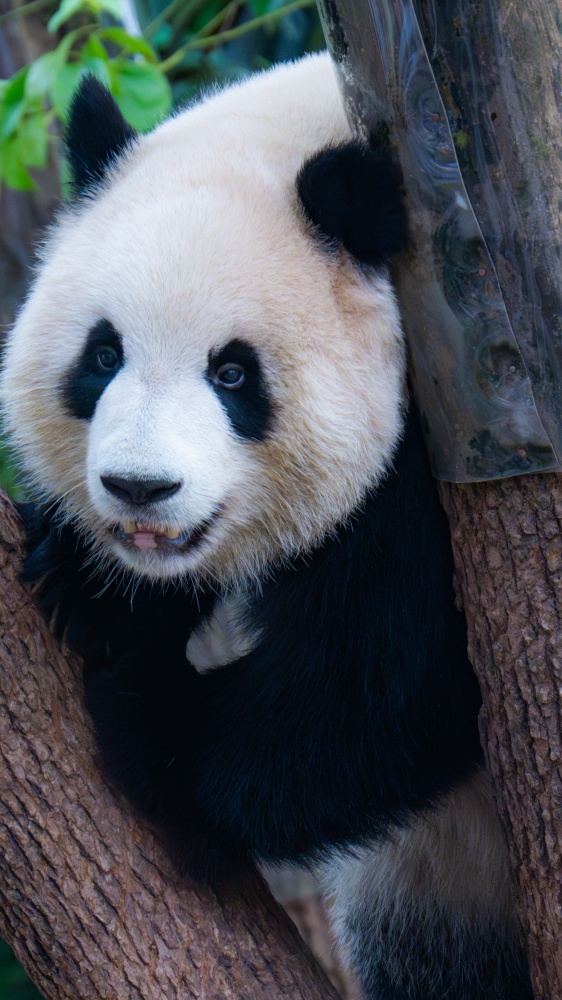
x,y
165,539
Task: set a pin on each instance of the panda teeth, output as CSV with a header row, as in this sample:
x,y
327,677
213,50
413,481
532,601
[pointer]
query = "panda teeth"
x,y
132,527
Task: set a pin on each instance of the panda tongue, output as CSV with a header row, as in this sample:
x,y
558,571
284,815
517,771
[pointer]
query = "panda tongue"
x,y
144,540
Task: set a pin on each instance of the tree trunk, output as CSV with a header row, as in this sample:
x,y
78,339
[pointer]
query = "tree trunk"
x,y
498,69
88,900
508,551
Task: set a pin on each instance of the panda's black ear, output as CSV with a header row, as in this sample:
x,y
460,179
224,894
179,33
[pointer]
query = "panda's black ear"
x,y
352,195
96,133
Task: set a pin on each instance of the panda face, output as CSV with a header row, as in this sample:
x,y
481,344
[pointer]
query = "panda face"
x,y
202,386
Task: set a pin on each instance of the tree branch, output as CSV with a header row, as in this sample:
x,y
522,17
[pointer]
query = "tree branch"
x,y
88,900
507,541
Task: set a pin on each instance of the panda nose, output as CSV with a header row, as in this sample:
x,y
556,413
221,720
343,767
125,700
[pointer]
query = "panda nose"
x,y
140,491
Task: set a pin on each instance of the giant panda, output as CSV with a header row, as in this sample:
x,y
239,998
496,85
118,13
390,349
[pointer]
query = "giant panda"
x,y
236,526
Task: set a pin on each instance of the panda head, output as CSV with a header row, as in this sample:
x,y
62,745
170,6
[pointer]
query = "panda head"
x,y
207,375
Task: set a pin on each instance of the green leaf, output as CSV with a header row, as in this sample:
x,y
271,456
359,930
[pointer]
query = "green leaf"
x,y
112,7
95,67
63,87
15,87
68,79
206,13
132,43
12,169
142,92
42,73
32,140
93,49
65,180
13,103
66,10
260,7
163,36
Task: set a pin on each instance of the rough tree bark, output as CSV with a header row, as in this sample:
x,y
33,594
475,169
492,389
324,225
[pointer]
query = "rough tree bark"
x,y
507,540
88,900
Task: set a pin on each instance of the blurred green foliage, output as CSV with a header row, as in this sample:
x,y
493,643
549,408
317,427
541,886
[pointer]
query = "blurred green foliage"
x,y
162,58
10,481
14,982
181,46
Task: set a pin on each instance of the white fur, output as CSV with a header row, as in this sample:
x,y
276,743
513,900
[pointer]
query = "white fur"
x,y
223,638
197,237
448,867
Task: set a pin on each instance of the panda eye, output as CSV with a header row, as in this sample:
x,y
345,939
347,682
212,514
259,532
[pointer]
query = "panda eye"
x,y
229,376
235,375
107,359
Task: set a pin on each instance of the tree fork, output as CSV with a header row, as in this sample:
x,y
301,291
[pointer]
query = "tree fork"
x,y
88,900
507,542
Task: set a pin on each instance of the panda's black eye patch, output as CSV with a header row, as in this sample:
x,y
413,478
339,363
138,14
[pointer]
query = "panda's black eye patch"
x,y
236,375
98,364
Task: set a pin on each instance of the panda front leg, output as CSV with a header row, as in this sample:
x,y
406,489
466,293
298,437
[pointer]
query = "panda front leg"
x,y
428,913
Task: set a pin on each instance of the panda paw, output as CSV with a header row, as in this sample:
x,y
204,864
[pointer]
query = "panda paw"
x,y
140,704
145,706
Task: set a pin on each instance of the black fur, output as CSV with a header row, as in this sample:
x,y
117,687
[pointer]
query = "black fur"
x,y
83,385
249,407
96,134
352,196
103,622
357,707
433,955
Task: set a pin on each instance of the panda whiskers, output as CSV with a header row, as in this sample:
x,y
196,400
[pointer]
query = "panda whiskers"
x,y
109,572
58,504
37,495
134,581
104,566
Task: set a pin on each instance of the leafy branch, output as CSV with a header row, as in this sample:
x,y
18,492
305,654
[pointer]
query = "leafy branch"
x,y
209,40
139,70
